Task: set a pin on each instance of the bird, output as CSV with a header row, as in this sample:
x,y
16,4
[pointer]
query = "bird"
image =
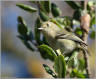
x,y
61,39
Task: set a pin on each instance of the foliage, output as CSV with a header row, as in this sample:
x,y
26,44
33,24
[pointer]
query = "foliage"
x,y
61,62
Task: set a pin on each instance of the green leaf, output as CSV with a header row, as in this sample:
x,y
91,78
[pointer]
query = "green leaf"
x,y
55,10
92,22
90,3
65,20
60,66
78,32
73,4
42,7
26,8
22,29
33,1
49,71
30,35
26,43
47,52
46,5
81,65
45,41
54,21
77,14
77,74
60,20
73,60
21,21
37,32
43,16
92,35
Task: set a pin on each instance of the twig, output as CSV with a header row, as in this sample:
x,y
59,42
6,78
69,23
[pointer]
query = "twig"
x,y
87,65
85,27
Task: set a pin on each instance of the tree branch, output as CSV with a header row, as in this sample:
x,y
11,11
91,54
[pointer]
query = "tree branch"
x,y
85,24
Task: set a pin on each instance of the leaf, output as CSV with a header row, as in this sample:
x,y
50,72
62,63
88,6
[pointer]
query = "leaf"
x,y
92,34
33,1
26,43
60,66
77,14
54,21
73,61
92,22
90,3
77,74
37,32
46,5
45,41
81,65
49,71
65,20
78,32
22,29
47,52
60,20
21,21
73,4
43,16
30,35
27,8
55,10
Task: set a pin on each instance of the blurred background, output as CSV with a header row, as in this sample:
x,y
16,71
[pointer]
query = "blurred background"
x,y
16,59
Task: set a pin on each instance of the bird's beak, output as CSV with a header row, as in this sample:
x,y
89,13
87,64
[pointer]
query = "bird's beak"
x,y
40,28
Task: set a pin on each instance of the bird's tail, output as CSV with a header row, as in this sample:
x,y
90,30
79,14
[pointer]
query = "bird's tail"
x,y
85,50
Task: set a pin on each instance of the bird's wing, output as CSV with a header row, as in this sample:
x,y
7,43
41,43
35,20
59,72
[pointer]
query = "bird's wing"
x,y
70,37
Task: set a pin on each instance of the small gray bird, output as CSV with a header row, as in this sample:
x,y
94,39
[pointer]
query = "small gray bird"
x,y
61,39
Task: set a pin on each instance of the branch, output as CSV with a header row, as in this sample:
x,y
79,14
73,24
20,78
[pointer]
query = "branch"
x,y
85,24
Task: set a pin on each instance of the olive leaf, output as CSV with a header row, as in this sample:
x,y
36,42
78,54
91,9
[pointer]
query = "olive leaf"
x,y
73,60
22,27
55,10
57,23
43,16
78,31
49,71
77,14
60,66
81,65
46,5
93,22
76,73
47,52
26,7
26,43
37,32
73,4
92,34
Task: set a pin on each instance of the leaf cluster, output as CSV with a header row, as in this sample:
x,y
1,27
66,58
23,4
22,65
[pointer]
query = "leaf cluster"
x,y
50,11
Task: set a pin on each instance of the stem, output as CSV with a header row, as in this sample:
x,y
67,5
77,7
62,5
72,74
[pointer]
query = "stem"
x,y
84,38
87,66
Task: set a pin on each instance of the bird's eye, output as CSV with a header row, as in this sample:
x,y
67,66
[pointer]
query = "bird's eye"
x,y
47,25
